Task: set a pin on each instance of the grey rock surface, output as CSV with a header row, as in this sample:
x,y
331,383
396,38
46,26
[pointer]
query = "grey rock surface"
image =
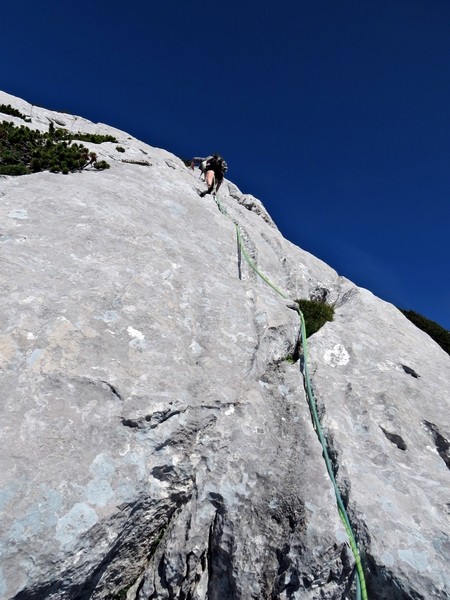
x,y
156,438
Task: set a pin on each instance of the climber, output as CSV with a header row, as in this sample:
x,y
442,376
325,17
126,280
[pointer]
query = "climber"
x,y
213,169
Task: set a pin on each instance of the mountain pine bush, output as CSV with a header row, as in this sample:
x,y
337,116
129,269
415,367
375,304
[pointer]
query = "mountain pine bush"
x,y
24,150
316,314
7,109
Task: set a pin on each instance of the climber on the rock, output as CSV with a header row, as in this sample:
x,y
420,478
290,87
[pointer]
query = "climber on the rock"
x,y
213,168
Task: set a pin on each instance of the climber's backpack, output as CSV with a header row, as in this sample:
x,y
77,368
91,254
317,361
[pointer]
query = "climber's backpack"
x,y
215,162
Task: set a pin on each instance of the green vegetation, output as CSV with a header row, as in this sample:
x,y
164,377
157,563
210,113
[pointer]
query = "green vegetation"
x,y
94,138
13,170
120,149
7,109
62,134
100,165
440,335
24,150
316,314
290,359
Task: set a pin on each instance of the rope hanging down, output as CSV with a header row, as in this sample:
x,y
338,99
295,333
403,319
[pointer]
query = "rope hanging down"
x,y
361,589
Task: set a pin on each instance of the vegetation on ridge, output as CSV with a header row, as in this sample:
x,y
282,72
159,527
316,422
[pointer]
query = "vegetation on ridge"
x,y
62,134
24,150
7,109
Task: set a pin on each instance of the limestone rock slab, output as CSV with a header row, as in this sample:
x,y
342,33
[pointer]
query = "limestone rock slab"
x,y
157,442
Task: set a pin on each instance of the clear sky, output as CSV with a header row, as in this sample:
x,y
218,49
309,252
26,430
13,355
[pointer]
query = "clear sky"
x,y
336,114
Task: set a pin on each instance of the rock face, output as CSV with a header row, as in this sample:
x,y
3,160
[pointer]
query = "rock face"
x,y
156,437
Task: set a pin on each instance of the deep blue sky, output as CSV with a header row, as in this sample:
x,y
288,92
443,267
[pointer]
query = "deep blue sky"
x,y
336,114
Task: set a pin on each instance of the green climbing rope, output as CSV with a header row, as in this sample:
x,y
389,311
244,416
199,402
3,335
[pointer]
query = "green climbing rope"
x,y
361,589
252,264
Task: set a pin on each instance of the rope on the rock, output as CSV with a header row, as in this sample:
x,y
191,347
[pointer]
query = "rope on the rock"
x,y
253,265
361,589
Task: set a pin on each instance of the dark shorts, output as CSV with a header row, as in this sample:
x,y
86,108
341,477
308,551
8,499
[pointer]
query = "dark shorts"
x,y
217,173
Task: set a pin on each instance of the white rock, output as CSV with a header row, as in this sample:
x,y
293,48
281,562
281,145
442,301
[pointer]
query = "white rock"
x,y
152,432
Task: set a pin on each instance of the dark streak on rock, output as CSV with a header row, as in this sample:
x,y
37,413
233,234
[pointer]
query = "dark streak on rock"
x,y
157,418
150,421
113,389
163,473
441,443
395,439
130,423
221,582
410,371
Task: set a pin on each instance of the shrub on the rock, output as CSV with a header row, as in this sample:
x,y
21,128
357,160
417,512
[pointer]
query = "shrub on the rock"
x,y
24,150
7,109
316,314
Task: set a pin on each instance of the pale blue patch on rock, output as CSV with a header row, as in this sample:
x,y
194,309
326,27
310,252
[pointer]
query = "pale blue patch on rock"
x,y
3,586
138,345
20,214
39,517
138,461
387,503
99,492
73,524
341,536
103,466
34,356
6,497
176,208
125,491
442,544
417,560
108,316
49,506
388,559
